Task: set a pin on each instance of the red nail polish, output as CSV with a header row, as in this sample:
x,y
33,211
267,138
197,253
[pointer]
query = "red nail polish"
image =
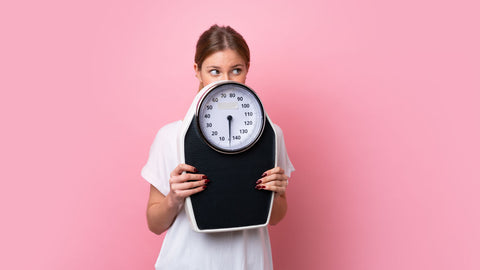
x,y
204,177
204,187
264,174
195,170
262,187
257,187
207,181
258,182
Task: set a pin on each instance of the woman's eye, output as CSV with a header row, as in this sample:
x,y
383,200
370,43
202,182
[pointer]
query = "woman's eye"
x,y
214,72
237,71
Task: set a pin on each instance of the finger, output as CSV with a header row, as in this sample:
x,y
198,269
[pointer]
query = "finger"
x,y
274,171
279,183
277,189
190,192
189,185
272,177
187,177
182,168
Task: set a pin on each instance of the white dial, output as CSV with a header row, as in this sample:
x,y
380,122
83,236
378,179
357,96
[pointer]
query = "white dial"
x,y
230,117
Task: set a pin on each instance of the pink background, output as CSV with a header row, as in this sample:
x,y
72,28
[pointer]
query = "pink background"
x,y
379,102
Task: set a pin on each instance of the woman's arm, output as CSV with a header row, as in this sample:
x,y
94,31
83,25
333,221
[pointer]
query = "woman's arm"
x,y
275,180
162,210
279,208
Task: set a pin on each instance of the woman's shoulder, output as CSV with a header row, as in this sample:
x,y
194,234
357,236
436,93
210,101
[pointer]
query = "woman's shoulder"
x,y
167,133
278,130
169,129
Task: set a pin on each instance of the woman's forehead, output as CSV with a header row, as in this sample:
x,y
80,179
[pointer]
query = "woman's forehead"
x,y
226,57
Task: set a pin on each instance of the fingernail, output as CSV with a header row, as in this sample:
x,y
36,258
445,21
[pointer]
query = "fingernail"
x,y
195,170
207,181
258,182
204,187
257,187
264,174
204,177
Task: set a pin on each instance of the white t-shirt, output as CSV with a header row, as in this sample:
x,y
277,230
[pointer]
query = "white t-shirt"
x,y
183,248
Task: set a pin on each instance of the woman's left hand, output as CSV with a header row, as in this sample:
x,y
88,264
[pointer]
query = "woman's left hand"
x,y
274,180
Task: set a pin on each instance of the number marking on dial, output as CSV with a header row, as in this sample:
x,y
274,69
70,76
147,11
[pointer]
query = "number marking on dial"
x,y
231,118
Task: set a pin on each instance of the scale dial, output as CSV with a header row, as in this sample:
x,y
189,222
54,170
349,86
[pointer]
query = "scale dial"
x,y
230,117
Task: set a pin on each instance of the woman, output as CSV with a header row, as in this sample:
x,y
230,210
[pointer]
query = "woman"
x,y
221,54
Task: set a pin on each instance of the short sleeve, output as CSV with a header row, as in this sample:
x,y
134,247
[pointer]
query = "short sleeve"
x,y
283,160
162,158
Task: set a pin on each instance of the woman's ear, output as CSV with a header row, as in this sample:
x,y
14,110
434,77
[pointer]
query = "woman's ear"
x,y
197,72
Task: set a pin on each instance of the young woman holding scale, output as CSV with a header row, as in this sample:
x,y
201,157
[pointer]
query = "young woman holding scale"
x,y
221,54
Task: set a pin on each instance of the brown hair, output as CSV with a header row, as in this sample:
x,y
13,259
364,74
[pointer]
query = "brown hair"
x,y
219,38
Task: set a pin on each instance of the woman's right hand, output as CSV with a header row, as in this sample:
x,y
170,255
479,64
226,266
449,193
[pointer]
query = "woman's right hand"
x,y
183,184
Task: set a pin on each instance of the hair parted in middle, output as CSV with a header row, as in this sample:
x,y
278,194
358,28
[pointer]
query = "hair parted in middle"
x,y
219,38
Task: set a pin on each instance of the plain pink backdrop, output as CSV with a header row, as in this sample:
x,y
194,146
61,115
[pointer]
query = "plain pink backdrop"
x,y
378,100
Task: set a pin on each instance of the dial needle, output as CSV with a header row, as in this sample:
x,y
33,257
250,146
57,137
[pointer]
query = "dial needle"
x,y
229,118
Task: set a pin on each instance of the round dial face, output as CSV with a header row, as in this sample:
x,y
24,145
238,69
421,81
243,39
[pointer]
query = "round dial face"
x,y
230,117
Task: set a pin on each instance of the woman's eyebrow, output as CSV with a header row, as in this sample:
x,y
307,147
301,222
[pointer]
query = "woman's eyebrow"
x,y
234,66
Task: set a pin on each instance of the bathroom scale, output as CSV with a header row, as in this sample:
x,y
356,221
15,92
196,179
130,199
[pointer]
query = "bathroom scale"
x,y
227,135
